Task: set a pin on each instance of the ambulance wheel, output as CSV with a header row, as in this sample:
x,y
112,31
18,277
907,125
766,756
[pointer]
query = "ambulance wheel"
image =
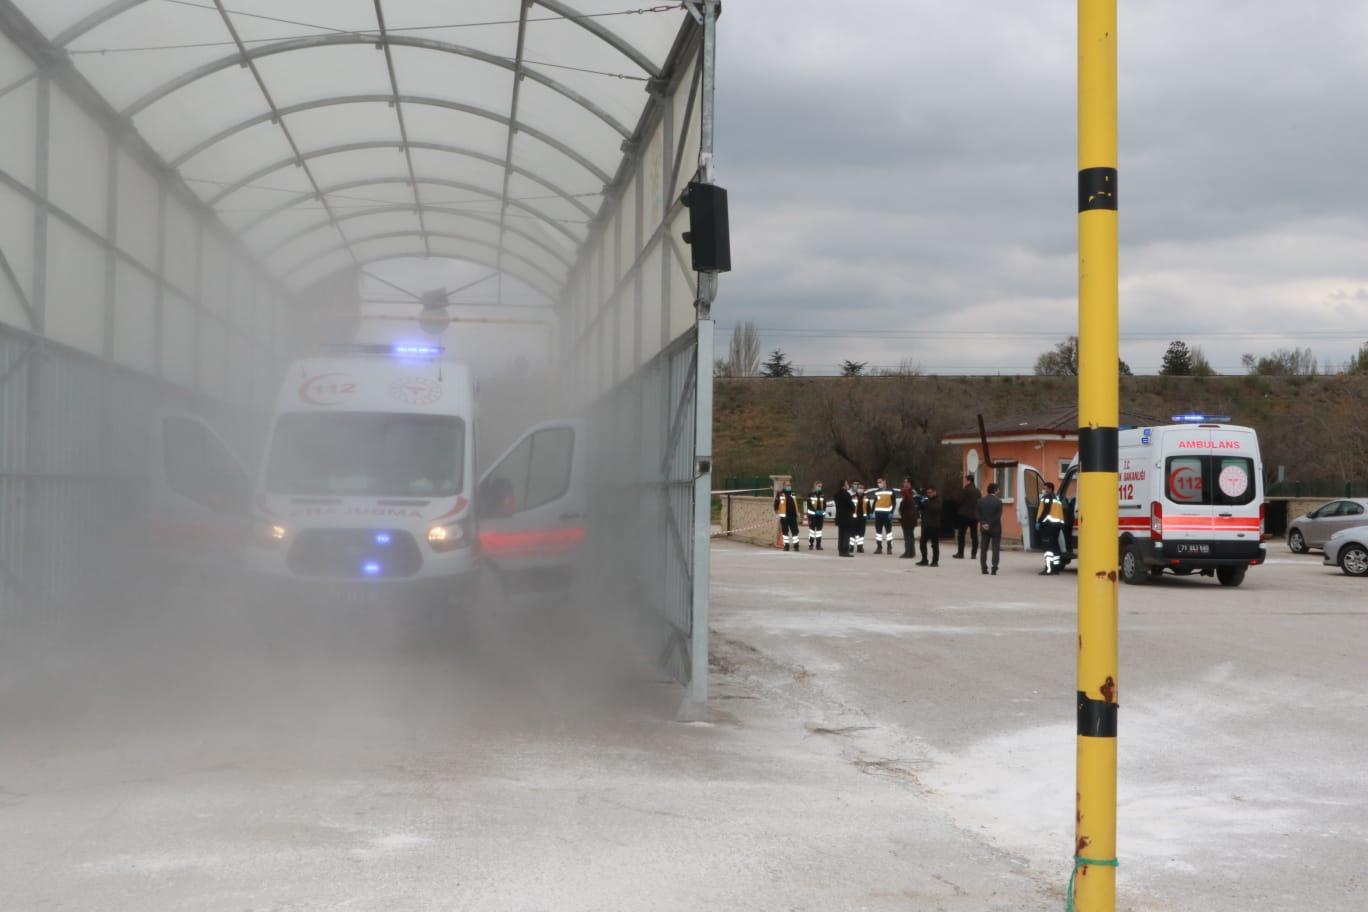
x,y
1230,576
1133,569
1296,542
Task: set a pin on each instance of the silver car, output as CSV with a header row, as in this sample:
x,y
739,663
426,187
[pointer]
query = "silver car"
x,y
1348,550
1313,530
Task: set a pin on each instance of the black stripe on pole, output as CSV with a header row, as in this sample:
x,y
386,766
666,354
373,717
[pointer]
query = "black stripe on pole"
x,y
1096,189
1096,718
1097,450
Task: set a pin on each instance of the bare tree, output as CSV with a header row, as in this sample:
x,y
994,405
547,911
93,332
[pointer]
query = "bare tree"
x,y
1285,362
743,357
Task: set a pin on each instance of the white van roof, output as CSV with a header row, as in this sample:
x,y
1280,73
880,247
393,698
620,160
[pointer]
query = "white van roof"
x,y
399,381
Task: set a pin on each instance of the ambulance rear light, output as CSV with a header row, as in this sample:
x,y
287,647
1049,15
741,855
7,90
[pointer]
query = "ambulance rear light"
x,y
1263,519
1156,521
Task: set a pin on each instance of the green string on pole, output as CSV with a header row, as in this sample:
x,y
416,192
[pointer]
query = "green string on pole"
x,y
1081,862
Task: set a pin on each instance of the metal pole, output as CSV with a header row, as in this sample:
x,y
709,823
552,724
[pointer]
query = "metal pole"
x,y
1093,883
696,701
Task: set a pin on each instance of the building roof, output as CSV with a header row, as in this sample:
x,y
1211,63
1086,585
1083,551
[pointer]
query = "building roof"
x,y
1060,422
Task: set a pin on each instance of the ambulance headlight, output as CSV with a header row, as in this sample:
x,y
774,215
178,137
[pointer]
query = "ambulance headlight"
x,y
448,537
269,534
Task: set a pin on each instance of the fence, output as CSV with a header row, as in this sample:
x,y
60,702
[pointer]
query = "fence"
x,y
1321,488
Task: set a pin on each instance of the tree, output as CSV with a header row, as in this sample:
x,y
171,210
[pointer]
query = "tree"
x,y
1177,360
892,428
778,365
743,356
1201,367
853,368
1062,360
1359,363
1285,362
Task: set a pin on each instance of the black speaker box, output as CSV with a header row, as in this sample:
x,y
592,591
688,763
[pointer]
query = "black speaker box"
x,y
709,236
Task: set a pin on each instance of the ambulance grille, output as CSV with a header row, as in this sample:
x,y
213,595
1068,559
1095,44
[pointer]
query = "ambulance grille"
x,y
355,554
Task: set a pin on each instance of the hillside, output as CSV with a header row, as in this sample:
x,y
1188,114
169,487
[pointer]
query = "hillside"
x,y
1316,428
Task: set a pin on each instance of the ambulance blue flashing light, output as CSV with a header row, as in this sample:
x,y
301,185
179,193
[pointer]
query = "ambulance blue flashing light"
x,y
371,568
1200,419
406,350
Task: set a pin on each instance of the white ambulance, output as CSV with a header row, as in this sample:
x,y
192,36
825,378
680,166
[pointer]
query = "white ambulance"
x,y
1191,500
369,473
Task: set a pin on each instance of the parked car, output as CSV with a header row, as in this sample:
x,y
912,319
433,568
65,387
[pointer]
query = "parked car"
x,y
1348,550
1313,530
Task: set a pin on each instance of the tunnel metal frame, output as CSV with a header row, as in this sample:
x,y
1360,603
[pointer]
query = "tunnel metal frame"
x,y
635,322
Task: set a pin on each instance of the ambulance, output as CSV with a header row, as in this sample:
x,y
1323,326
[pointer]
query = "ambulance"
x,y
369,473
1191,500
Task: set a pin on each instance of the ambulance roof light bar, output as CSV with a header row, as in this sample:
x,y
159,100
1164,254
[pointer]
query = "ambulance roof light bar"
x,y
1200,419
403,350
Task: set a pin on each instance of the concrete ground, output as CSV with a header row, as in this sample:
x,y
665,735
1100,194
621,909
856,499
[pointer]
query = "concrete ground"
x,y
884,737
1244,718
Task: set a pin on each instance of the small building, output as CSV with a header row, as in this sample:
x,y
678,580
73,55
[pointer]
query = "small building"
x,y
1046,440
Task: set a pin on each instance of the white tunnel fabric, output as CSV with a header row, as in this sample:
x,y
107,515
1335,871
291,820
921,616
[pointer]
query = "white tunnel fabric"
x,y
310,125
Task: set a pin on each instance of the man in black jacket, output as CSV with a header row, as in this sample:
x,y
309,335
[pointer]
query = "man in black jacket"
x,y
845,518
968,518
931,521
990,528
907,518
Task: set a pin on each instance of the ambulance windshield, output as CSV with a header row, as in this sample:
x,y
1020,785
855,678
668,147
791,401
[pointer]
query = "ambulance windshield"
x,y
367,454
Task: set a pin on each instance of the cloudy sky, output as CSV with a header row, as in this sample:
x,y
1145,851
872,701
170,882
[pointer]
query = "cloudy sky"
x,y
902,178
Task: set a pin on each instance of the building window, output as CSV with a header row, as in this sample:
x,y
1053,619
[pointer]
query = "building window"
x,y
1064,468
1005,476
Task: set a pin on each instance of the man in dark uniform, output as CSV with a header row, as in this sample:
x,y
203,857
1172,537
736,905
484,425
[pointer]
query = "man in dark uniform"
x,y
816,506
907,519
931,519
990,528
845,518
884,500
968,518
786,509
861,516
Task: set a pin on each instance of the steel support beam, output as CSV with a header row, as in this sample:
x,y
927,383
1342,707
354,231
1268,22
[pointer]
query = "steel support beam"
x,y
466,239
597,29
190,77
512,130
436,210
399,115
536,214
344,148
473,110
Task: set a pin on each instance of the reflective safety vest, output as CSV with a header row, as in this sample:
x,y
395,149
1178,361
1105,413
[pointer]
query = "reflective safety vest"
x,y
862,504
816,503
1051,509
783,501
884,500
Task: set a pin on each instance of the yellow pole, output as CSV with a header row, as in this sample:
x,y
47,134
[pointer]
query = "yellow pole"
x,y
1093,888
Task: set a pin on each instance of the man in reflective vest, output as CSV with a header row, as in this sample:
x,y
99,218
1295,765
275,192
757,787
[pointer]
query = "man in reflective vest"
x,y
884,501
1050,525
861,516
786,511
816,506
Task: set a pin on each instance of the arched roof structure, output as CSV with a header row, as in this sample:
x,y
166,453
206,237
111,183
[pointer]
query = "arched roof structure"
x,y
492,127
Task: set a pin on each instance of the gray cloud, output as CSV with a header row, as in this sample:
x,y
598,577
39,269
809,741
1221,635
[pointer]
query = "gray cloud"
x,y
910,165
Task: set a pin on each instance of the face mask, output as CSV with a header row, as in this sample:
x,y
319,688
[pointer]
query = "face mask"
x,y
788,487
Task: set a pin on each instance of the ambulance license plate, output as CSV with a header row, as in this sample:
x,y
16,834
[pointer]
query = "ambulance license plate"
x,y
1197,548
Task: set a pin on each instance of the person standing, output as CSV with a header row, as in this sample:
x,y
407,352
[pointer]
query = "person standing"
x,y
845,519
816,506
883,500
861,516
968,518
1050,524
786,510
907,519
931,522
990,528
